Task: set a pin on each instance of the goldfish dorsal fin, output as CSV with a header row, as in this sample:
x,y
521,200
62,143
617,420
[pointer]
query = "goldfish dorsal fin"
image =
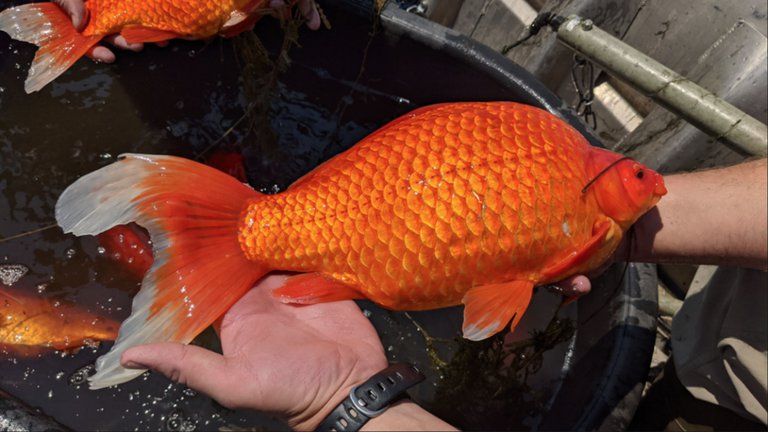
x,y
311,288
488,308
48,27
192,213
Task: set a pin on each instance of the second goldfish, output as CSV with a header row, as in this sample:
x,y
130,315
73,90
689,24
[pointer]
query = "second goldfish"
x,y
61,45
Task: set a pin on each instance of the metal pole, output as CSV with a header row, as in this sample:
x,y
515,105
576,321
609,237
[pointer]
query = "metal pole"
x,y
695,104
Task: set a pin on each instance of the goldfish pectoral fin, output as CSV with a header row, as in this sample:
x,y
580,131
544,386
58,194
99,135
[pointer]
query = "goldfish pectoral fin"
x,y
599,234
238,22
311,288
488,308
48,27
138,34
199,269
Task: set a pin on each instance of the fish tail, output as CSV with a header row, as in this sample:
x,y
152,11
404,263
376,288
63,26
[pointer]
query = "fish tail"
x,y
192,213
50,28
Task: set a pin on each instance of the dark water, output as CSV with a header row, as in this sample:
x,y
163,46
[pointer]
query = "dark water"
x,y
187,99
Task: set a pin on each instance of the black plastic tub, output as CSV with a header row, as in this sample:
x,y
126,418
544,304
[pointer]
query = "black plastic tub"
x,y
187,99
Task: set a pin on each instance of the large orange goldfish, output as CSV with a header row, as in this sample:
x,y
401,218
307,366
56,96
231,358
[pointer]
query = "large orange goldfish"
x,y
31,325
61,45
472,203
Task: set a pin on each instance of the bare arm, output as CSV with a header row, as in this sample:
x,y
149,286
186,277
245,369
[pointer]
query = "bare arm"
x,y
718,216
406,416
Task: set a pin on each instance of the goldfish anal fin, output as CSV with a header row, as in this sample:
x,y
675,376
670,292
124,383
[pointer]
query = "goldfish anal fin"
x,y
488,308
48,27
138,34
192,213
311,288
581,256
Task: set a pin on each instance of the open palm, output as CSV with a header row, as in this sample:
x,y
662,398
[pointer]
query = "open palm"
x,y
298,361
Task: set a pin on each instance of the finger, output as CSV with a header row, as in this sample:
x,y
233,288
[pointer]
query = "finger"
x,y
574,286
309,12
101,54
193,366
76,11
120,42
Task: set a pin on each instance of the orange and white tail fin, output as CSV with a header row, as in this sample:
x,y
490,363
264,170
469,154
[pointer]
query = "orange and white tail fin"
x,y
48,27
192,214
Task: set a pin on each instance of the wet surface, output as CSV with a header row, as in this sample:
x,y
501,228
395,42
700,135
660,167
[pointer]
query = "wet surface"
x,y
188,100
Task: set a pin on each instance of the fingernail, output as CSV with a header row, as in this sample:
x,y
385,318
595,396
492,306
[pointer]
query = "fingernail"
x,y
130,364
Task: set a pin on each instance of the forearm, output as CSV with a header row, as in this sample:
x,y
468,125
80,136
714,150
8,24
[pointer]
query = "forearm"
x,y
717,216
406,416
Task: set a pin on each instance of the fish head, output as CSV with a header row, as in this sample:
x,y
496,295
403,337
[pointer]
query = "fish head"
x,y
625,189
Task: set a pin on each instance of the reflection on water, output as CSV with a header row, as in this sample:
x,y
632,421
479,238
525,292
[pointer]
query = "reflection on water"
x,y
187,99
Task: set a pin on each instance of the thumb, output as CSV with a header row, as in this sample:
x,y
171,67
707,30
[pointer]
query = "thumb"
x,y
197,368
76,11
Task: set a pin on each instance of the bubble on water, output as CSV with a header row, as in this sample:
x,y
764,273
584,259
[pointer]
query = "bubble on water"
x,y
105,155
174,422
50,394
69,253
60,375
41,288
100,250
11,273
366,313
81,375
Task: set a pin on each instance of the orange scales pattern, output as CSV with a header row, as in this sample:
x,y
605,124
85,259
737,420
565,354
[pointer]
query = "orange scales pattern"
x,y
186,18
444,199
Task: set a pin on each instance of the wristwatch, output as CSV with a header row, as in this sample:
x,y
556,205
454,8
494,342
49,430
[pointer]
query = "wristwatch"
x,y
371,398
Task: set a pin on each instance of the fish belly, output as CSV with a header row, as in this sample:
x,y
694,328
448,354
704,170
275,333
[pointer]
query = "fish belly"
x,y
439,201
189,18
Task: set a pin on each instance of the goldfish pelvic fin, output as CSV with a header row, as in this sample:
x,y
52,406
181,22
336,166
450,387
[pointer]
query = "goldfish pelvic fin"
x,y
48,27
238,22
192,213
311,288
599,233
138,34
488,308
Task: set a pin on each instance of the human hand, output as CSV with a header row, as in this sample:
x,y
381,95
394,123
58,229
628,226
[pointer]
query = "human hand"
x,y
76,10
634,246
297,361
307,9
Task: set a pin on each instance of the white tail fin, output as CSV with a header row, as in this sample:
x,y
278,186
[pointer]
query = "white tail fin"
x,y
192,213
48,27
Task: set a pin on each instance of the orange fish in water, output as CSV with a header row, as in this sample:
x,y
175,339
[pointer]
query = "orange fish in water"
x,y
472,203
61,45
32,325
128,245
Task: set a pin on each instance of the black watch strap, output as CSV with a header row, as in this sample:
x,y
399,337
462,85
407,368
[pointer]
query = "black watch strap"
x,y
371,398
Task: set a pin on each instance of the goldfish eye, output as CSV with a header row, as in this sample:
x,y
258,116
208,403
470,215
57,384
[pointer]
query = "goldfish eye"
x,y
640,174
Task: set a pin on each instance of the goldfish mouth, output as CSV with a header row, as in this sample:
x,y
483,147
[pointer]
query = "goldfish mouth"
x,y
660,190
